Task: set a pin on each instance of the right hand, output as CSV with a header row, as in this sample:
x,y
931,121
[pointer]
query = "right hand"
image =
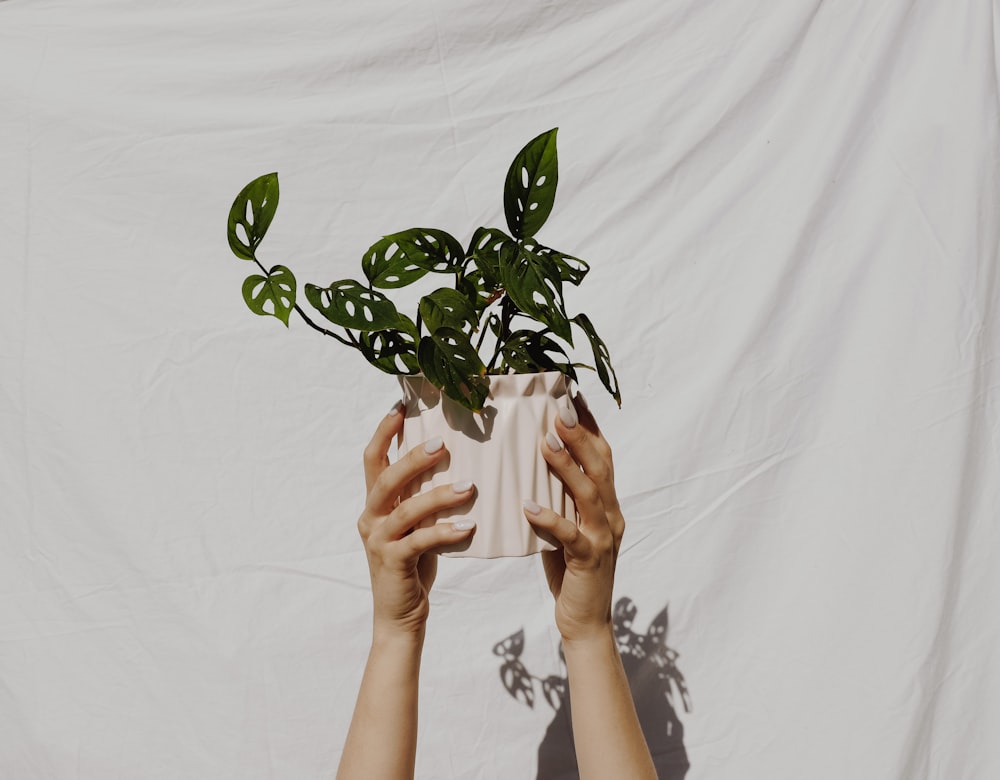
x,y
399,545
581,575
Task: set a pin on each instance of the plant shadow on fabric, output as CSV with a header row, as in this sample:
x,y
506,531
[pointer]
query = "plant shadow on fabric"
x,y
656,685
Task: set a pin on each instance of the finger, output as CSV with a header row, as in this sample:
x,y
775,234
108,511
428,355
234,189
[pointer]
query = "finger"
x,y
586,494
425,540
578,431
376,457
392,480
586,416
608,496
567,533
411,512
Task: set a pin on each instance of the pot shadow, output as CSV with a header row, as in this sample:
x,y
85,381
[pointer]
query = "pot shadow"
x,y
656,684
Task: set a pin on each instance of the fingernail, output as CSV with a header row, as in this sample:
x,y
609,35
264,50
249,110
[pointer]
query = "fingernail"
x,y
568,415
396,408
553,441
463,525
531,507
581,400
433,445
462,487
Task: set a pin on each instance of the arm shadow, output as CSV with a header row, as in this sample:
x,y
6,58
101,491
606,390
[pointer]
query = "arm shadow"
x,y
658,687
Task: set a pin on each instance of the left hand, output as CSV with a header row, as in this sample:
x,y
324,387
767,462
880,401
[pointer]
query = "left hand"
x,y
399,546
581,575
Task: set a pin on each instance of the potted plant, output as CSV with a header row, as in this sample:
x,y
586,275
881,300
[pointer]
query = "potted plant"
x,y
473,354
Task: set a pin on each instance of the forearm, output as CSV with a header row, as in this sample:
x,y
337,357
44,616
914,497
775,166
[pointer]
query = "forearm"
x,y
382,740
606,730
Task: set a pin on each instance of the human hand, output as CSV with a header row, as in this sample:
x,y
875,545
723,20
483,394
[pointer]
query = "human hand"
x,y
398,541
581,575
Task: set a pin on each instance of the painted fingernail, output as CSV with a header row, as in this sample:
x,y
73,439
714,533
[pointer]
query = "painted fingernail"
x,y
462,487
463,525
553,441
433,445
568,415
531,507
396,408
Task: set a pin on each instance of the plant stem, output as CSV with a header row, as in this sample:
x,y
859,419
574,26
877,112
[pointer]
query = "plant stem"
x,y
353,342
350,341
483,326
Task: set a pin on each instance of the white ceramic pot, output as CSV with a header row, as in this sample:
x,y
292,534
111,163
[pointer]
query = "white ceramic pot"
x,y
498,450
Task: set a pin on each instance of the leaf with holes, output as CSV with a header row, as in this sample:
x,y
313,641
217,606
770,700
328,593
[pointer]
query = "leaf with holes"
x,y
393,351
601,357
495,323
527,352
484,251
530,189
475,291
401,258
251,215
450,362
447,307
276,289
533,283
571,269
352,305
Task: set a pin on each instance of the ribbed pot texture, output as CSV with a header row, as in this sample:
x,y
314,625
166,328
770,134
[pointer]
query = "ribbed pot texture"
x,y
498,450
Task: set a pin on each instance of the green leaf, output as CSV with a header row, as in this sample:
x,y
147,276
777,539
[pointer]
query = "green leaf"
x,y
530,189
401,258
534,284
407,326
393,351
601,357
276,289
474,289
571,269
251,215
495,324
352,305
447,307
527,352
452,364
484,251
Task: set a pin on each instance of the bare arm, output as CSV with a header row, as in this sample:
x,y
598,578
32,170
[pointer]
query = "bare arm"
x,y
382,739
606,730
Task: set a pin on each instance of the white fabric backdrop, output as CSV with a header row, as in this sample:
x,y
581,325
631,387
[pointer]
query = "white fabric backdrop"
x,y
791,210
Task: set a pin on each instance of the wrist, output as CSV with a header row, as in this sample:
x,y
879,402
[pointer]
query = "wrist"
x,y
389,635
599,636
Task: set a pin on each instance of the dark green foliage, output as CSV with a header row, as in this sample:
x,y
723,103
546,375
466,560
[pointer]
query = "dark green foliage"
x,y
530,189
262,197
402,258
450,362
534,284
352,305
500,279
277,288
